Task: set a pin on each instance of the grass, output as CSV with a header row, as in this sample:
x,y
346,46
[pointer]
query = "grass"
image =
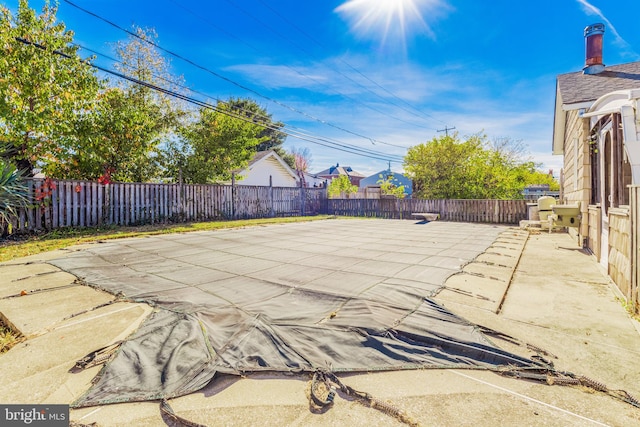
x,y
8,338
629,307
62,238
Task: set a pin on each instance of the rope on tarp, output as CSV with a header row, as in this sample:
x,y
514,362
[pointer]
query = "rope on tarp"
x,y
516,341
324,386
79,424
96,357
553,377
167,410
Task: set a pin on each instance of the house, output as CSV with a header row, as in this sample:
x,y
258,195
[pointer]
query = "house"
x,y
597,130
334,171
396,178
313,180
535,191
267,168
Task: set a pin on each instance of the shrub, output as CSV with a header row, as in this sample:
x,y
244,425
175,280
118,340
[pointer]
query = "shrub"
x,y
14,195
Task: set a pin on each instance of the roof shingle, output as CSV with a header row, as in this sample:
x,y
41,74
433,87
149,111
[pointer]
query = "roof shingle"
x,y
577,87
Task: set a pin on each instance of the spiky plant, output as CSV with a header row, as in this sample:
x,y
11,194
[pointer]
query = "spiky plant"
x,y
14,195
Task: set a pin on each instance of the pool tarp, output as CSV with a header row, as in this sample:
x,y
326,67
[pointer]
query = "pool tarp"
x,y
288,298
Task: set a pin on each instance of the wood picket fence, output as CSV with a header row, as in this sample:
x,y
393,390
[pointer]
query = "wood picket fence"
x,y
68,203
461,210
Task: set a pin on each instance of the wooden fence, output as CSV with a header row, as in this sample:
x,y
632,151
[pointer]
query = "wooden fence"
x,y
633,297
66,203
485,211
594,223
619,256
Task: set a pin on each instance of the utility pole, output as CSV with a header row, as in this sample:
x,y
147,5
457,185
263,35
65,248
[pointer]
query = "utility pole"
x,y
446,130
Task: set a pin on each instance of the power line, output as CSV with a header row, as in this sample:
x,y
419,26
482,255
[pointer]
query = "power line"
x,y
446,130
220,76
326,143
302,49
351,99
276,12
292,131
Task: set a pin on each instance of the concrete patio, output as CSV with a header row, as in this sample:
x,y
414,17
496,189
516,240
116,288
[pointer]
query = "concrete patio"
x,y
539,288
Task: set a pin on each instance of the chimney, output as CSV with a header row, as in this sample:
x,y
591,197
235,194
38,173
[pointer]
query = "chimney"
x,y
593,43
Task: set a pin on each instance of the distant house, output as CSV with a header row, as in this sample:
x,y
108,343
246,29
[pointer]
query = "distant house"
x,y
267,167
597,130
397,179
337,170
534,192
313,180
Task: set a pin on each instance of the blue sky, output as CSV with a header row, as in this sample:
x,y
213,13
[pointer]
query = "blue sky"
x,y
380,75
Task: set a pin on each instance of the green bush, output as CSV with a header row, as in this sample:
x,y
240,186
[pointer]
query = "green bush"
x,y
341,186
14,195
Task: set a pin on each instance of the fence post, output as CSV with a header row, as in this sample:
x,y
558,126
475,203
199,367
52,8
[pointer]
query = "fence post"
x,y
233,195
634,211
271,209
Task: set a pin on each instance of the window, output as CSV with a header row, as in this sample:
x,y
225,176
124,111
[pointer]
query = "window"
x,y
610,167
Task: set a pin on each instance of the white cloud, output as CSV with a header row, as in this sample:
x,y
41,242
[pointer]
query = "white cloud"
x,y
280,76
338,76
517,109
590,9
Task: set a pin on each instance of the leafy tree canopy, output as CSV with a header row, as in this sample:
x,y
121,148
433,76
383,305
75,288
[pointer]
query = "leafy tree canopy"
x,y
41,91
56,114
389,188
341,185
216,144
118,140
451,168
141,59
271,134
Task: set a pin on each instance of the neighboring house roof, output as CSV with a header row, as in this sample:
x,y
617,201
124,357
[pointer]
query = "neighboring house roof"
x,y
312,179
576,91
264,164
398,179
339,170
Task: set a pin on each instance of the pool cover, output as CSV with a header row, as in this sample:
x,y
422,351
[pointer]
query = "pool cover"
x,y
341,295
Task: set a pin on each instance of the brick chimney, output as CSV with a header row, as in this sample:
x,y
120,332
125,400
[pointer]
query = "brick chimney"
x,y
593,44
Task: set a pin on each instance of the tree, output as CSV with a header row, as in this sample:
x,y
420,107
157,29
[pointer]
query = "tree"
x,y
271,135
440,167
218,143
389,188
142,60
301,162
341,185
536,177
118,140
44,85
450,168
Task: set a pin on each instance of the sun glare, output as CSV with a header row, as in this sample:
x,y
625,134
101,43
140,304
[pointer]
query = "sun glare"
x,y
391,20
